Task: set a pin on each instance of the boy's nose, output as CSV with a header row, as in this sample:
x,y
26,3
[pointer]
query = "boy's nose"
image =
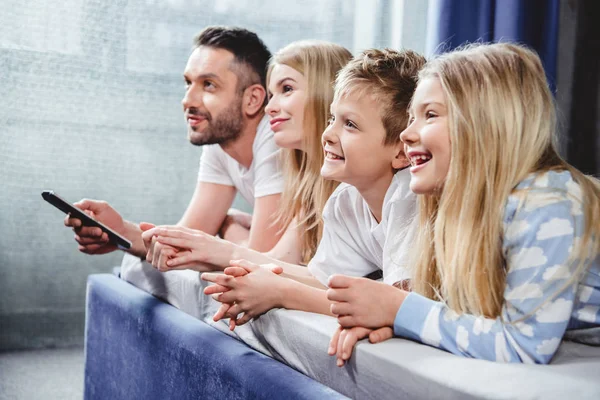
x,y
328,135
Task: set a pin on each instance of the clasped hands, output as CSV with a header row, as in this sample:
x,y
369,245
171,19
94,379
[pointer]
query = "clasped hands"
x,y
177,247
364,308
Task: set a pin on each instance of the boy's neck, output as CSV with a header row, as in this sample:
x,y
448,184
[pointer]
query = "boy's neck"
x,y
241,149
374,194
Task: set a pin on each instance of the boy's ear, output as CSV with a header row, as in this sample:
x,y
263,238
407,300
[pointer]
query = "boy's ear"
x,y
254,99
400,160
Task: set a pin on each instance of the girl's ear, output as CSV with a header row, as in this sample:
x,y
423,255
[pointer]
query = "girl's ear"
x,y
400,160
254,99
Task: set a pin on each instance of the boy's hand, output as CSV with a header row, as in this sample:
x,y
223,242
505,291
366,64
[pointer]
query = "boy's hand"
x,y
245,288
364,302
343,340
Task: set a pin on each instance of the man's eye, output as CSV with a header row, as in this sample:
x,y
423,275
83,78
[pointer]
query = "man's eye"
x,y
187,83
209,84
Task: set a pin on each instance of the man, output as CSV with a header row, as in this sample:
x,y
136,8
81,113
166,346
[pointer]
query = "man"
x,y
223,105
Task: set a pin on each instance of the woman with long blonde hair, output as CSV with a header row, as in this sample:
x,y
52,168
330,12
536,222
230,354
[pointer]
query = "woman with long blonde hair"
x,y
300,84
507,252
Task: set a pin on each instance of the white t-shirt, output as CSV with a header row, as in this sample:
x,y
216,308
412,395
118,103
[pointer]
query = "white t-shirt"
x,y
354,244
264,176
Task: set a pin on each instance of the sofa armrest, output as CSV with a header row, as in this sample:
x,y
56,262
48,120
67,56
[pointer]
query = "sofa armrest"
x,y
137,346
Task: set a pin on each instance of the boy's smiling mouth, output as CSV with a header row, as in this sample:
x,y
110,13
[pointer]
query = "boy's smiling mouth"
x,y
332,156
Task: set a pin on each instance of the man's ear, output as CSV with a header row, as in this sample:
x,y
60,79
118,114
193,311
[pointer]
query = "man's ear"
x,y
400,160
254,99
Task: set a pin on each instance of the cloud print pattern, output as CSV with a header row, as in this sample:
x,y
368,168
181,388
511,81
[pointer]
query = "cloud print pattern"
x,y
542,225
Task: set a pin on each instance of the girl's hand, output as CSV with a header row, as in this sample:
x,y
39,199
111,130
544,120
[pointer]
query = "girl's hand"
x,y
246,288
343,340
364,302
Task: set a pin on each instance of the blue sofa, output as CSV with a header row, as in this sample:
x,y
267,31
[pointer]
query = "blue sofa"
x,y
138,347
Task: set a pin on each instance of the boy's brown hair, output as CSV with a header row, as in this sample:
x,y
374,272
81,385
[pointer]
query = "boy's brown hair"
x,y
390,77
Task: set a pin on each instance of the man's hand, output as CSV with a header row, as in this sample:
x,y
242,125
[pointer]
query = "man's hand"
x,y
364,302
246,288
92,240
343,340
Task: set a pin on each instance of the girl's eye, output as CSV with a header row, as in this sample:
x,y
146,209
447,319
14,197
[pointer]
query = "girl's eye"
x,y
430,114
287,88
411,119
331,120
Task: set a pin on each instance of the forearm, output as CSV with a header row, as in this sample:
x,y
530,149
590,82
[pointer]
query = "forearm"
x,y
134,234
243,253
298,296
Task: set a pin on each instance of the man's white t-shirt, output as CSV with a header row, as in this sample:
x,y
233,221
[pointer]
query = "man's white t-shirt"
x,y
354,244
264,176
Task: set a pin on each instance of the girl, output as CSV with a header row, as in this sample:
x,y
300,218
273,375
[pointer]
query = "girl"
x,y
299,80
507,257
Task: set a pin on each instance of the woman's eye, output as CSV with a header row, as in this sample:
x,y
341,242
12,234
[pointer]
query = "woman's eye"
x,y
430,114
331,120
287,88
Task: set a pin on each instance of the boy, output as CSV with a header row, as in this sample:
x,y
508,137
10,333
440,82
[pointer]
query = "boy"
x,y
363,150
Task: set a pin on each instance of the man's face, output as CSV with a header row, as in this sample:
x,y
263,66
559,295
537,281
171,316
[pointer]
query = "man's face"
x,y
212,103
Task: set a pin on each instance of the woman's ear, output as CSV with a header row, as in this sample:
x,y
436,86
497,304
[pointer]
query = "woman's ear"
x,y
400,160
254,99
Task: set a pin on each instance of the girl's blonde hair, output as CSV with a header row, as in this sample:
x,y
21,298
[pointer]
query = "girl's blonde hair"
x,y
502,127
305,191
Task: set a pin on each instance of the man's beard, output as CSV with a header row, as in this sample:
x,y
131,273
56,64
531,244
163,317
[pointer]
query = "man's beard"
x,y
225,128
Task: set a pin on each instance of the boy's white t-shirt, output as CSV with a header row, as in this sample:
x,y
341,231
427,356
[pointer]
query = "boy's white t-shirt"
x,y
354,244
264,176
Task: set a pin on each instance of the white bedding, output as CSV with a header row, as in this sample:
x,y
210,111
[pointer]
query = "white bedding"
x,y
397,368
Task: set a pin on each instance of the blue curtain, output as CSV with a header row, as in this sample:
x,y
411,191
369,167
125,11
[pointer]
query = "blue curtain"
x,y
530,22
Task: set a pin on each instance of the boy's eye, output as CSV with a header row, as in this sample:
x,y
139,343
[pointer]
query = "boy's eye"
x,y
350,124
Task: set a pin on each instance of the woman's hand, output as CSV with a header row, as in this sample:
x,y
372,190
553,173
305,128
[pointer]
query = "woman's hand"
x,y
179,247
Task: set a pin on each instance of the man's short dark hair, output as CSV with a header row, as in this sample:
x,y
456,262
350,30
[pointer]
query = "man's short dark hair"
x,y
250,52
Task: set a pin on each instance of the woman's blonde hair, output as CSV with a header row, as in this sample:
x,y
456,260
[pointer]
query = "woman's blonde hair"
x,y
502,127
305,191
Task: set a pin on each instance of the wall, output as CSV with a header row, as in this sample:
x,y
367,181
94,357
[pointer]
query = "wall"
x,y
90,107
